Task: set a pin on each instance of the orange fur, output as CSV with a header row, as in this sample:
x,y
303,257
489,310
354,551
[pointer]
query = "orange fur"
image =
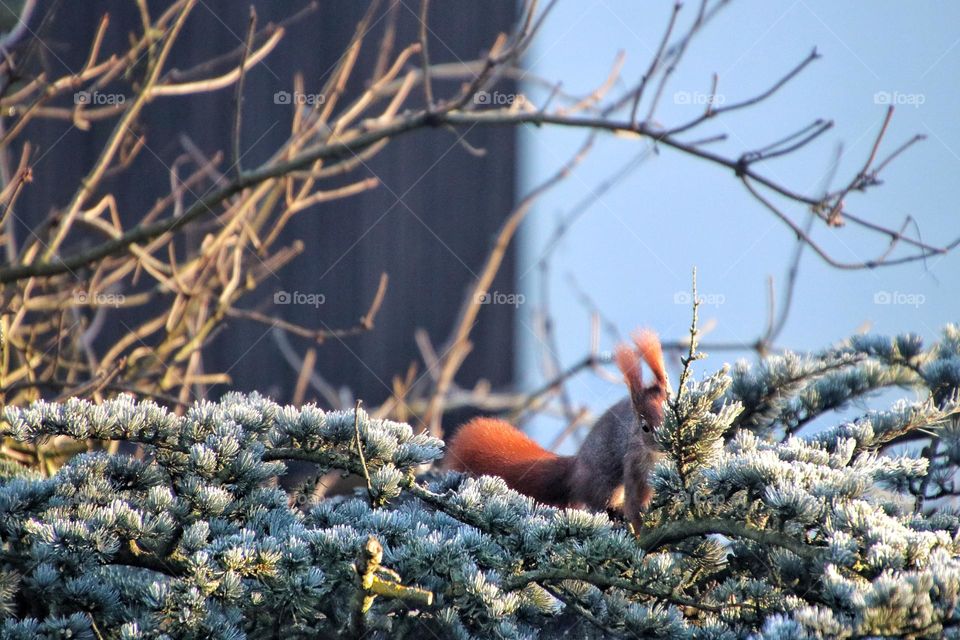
x,y
485,446
649,347
629,363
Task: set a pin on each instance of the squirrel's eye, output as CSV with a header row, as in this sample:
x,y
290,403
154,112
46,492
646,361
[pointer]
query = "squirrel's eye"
x,y
646,428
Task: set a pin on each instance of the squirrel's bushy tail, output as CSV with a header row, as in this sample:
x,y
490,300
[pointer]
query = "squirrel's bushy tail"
x,y
486,446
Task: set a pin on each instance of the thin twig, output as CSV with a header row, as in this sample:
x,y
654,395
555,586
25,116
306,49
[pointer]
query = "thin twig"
x,y
457,344
363,459
238,94
654,62
692,353
425,55
92,179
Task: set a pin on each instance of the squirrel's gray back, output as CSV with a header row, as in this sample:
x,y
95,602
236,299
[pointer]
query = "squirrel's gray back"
x,y
597,477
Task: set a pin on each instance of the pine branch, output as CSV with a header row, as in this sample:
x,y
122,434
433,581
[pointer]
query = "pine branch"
x,y
673,532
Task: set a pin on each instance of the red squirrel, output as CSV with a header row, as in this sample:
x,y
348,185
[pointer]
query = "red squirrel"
x,y
612,468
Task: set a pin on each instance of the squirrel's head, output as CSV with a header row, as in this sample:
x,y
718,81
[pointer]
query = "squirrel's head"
x,y
647,400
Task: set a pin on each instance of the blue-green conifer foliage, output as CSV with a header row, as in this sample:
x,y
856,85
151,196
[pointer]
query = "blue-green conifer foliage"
x,y
762,525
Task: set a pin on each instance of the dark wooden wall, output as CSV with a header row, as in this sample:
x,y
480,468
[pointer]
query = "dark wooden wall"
x,y
428,225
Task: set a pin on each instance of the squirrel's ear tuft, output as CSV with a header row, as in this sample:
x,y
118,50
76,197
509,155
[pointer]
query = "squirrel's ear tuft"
x,y
648,344
629,363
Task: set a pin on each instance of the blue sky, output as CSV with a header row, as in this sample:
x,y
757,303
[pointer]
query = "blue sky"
x,y
633,251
